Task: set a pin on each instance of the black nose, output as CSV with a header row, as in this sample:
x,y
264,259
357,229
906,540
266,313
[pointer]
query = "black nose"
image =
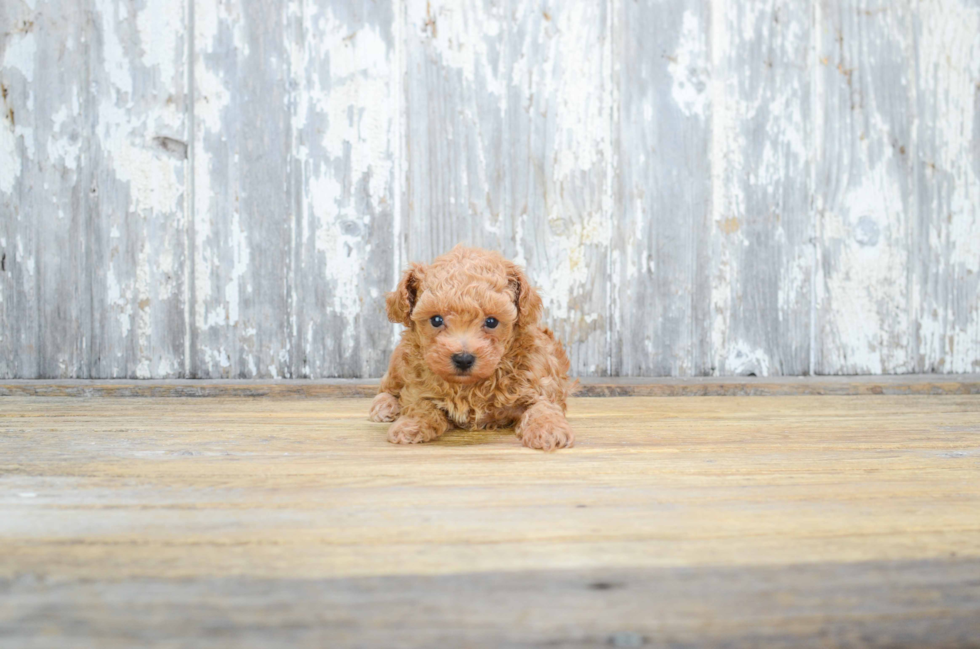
x,y
463,361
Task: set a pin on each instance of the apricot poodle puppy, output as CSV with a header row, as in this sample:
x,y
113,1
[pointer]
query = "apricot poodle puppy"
x,y
473,354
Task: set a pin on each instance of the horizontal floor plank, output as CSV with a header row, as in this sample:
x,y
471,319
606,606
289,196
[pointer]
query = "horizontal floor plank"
x,y
586,387
736,521
866,604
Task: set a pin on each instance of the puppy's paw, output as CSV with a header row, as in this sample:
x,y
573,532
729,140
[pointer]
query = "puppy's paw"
x,y
546,429
385,407
407,430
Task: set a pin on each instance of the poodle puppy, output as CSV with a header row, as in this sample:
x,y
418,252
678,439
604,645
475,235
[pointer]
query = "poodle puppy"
x,y
473,354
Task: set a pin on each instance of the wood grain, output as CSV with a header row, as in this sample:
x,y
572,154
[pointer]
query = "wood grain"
x,y
699,188
243,218
345,106
864,193
946,232
585,387
43,205
761,234
877,604
137,152
802,520
661,275
92,190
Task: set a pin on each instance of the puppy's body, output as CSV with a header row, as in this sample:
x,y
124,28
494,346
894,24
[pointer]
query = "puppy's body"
x,y
488,363
536,370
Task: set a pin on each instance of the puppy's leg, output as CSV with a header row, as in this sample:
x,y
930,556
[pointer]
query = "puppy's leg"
x,y
385,407
543,426
420,421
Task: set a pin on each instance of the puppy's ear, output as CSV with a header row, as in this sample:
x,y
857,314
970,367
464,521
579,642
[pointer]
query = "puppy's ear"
x,y
400,302
526,299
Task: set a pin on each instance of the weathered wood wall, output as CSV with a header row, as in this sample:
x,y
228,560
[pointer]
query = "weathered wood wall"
x,y
226,188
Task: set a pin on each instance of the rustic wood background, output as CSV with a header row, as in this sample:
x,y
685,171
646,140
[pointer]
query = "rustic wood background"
x,y
227,188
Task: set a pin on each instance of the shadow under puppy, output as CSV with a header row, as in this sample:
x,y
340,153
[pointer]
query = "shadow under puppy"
x,y
473,354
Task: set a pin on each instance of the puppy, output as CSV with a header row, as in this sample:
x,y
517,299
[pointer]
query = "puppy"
x,y
473,354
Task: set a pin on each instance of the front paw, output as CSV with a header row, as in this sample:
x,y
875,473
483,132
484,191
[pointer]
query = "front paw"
x,y
545,429
385,407
407,430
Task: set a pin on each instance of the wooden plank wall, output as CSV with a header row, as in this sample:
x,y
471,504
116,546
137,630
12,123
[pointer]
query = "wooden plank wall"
x,y
226,188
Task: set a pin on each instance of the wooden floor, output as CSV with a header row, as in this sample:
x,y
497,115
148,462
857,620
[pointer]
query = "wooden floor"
x,y
697,521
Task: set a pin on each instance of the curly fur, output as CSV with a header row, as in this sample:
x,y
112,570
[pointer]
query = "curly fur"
x,y
520,377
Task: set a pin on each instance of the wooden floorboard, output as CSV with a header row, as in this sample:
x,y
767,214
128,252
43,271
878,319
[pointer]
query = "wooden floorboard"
x,y
895,384
710,521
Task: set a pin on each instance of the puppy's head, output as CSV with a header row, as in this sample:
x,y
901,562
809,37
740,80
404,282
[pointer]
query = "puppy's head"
x,y
465,309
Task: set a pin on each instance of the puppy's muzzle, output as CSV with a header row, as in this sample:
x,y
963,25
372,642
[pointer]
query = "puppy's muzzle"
x,y
463,361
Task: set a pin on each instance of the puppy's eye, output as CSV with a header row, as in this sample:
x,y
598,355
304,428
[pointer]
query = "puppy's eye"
x,y
436,321
491,323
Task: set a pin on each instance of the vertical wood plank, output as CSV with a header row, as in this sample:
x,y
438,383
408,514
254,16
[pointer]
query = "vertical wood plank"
x,y
559,156
455,98
509,108
578,138
660,269
45,180
19,341
946,241
864,194
92,235
138,155
243,216
344,130
762,255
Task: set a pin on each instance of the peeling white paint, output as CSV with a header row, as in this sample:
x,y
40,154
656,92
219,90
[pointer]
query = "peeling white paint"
x,y
560,71
143,314
581,92
742,360
155,185
725,160
869,211
18,56
125,134
687,67
10,162
949,54
19,53
160,26
948,294
546,73
211,99
354,106
116,62
799,273
117,301
61,145
240,252
459,34
869,276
